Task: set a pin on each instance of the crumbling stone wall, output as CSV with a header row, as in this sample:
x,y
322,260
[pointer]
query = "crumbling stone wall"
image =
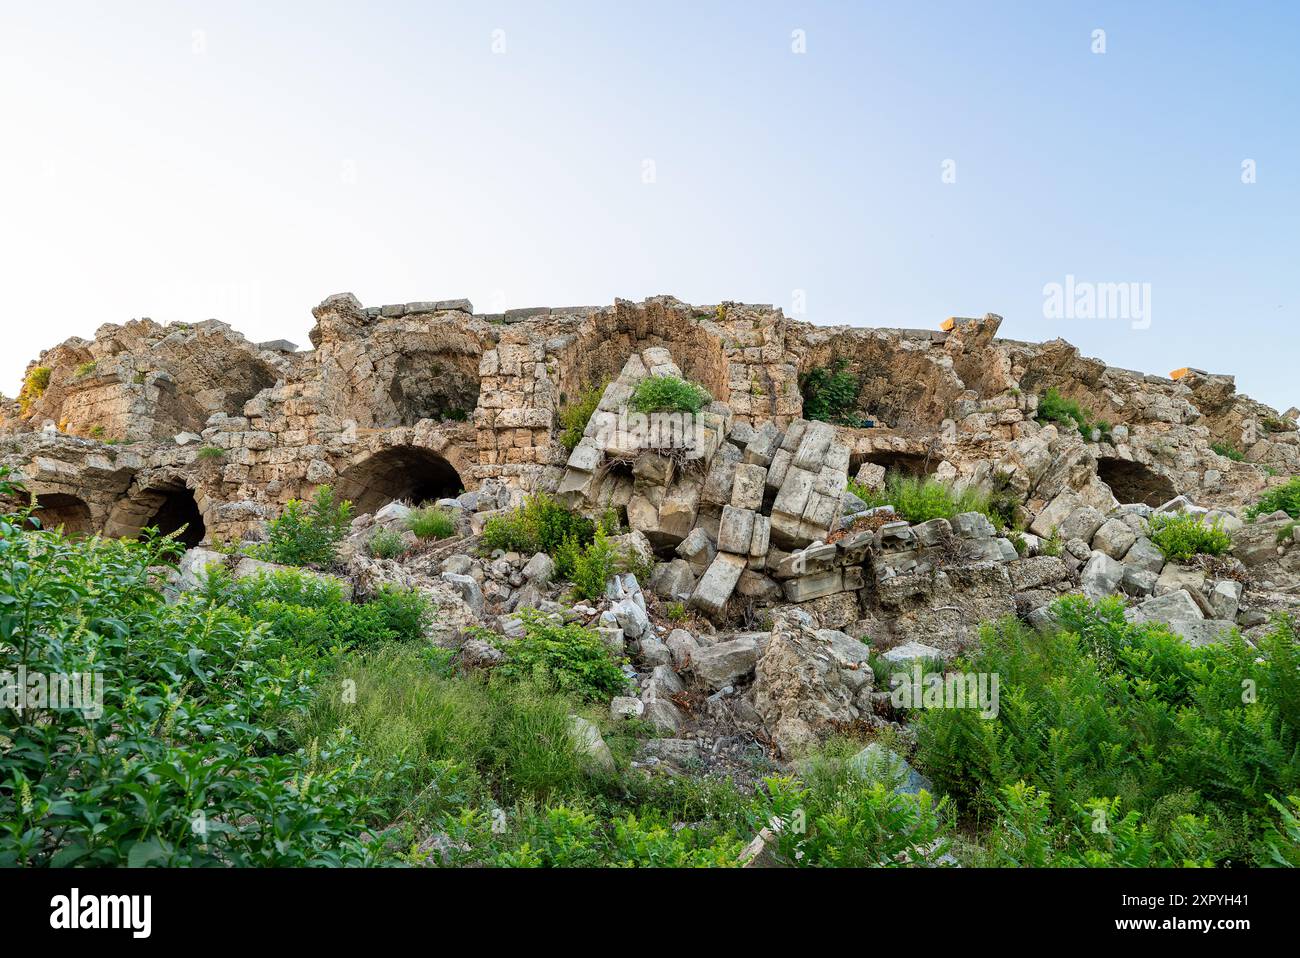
x,y
409,398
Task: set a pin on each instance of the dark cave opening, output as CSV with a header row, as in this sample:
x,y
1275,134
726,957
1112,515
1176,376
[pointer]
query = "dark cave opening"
x,y
406,473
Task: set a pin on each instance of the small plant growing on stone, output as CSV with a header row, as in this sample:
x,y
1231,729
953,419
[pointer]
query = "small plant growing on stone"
x,y
1285,498
34,386
85,369
669,394
308,533
1053,544
387,544
589,568
1055,408
575,416
432,523
831,395
1180,537
1228,452
211,453
676,611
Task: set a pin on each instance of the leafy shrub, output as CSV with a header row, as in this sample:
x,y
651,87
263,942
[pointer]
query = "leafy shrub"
x,y
1104,709
1284,498
564,656
312,612
188,762
309,533
1026,836
668,394
386,544
211,452
432,523
1228,452
1181,536
541,524
837,818
575,416
588,568
831,395
1055,408
35,383
919,500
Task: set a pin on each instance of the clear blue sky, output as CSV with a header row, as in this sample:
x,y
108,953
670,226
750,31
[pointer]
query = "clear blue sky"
x,y
244,160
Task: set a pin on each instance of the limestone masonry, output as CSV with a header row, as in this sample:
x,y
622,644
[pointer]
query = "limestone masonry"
x,y
145,424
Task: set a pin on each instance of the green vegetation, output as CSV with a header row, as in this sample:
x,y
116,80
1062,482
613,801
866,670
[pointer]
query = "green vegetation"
x,y
1182,536
831,395
1286,532
431,522
309,533
563,656
589,567
1055,408
541,524
668,394
211,453
1228,452
1126,726
921,499
386,544
85,369
576,414
34,385
1284,498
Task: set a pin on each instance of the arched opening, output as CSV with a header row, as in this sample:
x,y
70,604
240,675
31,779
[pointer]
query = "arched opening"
x,y
177,510
408,473
1134,482
431,386
895,463
58,509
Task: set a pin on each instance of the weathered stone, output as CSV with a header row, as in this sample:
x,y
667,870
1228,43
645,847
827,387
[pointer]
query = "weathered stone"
x,y
716,585
725,663
1101,576
1114,538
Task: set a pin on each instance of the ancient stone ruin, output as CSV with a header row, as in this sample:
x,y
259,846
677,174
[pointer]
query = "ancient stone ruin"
x,y
192,428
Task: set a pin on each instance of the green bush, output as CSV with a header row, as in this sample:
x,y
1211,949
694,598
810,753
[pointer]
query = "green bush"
x,y
831,395
921,499
309,533
668,394
541,524
313,613
575,416
211,452
188,763
588,568
563,656
1055,408
386,544
432,523
1284,498
85,369
1180,537
34,385
836,818
1107,710
1228,452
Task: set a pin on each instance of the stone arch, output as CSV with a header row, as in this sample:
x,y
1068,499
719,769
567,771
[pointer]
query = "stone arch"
x,y
896,463
167,505
411,473
55,509
1134,482
432,385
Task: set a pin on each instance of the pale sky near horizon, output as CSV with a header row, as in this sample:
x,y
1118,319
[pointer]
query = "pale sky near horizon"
x,y
242,161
